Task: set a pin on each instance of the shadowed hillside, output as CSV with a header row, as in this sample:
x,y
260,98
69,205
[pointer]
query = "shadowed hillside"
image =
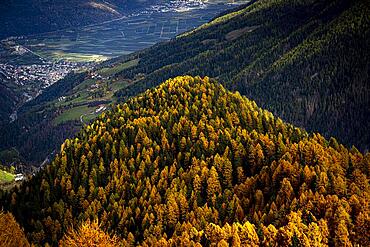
x,y
19,17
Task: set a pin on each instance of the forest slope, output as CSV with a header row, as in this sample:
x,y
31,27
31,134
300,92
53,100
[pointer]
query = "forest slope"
x,y
190,162
306,61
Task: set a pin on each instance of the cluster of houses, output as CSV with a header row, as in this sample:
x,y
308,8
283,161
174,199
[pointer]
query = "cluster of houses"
x,y
96,76
19,177
44,74
100,109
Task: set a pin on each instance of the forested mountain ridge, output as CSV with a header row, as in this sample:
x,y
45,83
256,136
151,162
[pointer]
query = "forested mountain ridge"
x,y
306,61
189,162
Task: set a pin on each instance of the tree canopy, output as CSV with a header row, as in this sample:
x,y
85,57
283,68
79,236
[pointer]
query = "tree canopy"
x,y
191,163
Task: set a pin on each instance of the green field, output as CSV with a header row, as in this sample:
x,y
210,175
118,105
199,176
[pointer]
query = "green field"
x,y
77,57
6,177
118,68
76,103
73,114
92,90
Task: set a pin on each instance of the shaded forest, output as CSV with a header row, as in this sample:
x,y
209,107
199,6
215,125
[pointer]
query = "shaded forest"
x,y
39,16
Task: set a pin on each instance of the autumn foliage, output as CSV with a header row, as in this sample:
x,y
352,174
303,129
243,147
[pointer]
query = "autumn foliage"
x,y
89,234
11,235
189,163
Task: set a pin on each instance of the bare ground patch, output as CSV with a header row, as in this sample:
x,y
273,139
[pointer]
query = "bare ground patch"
x,y
239,32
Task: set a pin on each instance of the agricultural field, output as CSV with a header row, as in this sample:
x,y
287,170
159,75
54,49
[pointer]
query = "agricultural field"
x,y
88,99
117,68
73,113
121,36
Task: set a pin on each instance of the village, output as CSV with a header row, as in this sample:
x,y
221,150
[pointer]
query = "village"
x,y
44,74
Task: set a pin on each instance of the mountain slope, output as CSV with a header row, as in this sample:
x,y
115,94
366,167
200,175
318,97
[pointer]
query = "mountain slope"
x,y
9,99
10,232
306,61
190,162
62,109
20,17
34,134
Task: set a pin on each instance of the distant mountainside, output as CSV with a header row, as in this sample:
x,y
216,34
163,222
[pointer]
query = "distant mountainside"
x,y
19,17
189,162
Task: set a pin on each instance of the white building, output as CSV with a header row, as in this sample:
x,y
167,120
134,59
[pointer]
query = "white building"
x,y
19,177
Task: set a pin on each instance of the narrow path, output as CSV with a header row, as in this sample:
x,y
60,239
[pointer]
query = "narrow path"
x,y
32,52
81,117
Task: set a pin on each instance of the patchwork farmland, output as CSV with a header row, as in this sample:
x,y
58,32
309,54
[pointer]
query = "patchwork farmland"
x,y
120,36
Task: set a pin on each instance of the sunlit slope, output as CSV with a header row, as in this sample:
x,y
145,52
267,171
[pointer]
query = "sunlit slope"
x,y
191,162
